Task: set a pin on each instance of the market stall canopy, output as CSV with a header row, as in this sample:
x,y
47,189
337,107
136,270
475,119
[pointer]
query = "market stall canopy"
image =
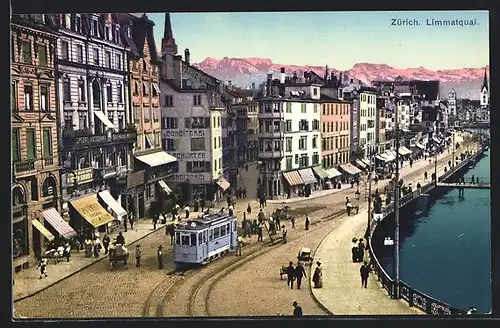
x,y
90,209
350,169
361,164
39,226
223,183
389,155
55,219
157,158
321,172
419,145
165,187
403,151
333,173
366,161
307,176
293,178
102,117
113,204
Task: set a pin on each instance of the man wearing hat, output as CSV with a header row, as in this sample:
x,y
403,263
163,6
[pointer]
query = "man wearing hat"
x,y
299,273
159,255
297,310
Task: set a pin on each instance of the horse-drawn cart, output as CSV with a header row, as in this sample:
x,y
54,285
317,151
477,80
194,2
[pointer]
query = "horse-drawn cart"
x,y
118,255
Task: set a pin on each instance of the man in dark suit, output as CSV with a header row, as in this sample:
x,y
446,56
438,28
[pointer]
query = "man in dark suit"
x,y
299,273
297,310
290,272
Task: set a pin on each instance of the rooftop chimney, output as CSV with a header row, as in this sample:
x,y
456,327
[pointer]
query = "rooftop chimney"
x,y
341,79
295,77
268,84
177,70
283,76
187,56
253,89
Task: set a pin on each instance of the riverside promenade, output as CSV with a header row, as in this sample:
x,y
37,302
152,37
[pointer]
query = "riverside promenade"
x,y
342,293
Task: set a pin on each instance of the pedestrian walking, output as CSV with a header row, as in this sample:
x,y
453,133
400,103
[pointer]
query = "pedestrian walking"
x,y
125,224
159,256
231,210
290,273
299,273
249,209
246,167
425,175
120,239
361,250
240,246
155,221
297,310
259,233
308,221
67,252
354,250
43,268
318,275
138,255
203,204
292,220
186,209
105,243
364,271
348,208
131,220
283,231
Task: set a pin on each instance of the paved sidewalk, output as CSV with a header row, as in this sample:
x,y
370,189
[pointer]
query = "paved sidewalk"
x,y
314,194
342,293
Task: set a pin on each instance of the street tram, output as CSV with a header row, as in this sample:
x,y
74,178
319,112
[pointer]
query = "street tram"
x,y
204,239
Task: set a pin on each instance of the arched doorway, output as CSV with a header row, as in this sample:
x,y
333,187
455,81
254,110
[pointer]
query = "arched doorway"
x,y
49,187
20,240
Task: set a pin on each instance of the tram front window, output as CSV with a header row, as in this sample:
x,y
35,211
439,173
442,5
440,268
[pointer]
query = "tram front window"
x,y
177,238
193,239
185,240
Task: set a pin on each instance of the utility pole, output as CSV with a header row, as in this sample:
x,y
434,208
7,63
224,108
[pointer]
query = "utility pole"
x,y
370,152
396,211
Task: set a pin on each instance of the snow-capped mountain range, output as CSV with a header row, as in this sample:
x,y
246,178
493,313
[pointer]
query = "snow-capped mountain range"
x,y
243,71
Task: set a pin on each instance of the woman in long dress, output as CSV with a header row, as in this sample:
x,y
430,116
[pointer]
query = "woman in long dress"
x,y
318,276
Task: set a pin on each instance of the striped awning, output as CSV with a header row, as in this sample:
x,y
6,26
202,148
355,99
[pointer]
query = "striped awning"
x,y
361,164
350,169
39,226
223,183
321,172
165,187
307,176
333,173
55,219
404,151
90,209
293,178
366,161
113,204
390,155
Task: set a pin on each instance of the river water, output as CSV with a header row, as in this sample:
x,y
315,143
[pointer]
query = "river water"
x,y
446,253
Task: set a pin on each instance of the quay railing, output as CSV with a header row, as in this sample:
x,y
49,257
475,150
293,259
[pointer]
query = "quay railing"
x,y
412,296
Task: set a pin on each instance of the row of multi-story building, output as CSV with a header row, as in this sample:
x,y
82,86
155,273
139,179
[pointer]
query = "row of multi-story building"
x,y
104,124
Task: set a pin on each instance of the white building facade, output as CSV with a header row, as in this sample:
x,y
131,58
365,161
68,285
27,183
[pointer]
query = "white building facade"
x,y
367,117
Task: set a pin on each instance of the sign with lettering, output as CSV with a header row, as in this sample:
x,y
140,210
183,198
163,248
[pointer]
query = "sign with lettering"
x,y
80,176
194,156
135,179
183,133
192,177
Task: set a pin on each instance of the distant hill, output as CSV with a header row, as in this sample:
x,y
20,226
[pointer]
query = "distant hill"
x,y
243,71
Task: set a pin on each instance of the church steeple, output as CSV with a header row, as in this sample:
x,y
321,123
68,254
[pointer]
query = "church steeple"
x,y
168,45
485,81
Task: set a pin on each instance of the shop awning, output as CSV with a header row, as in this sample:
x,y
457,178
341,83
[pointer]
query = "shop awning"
x,y
164,186
157,158
361,164
293,178
307,176
390,155
90,209
419,145
333,173
55,219
113,204
350,169
223,183
382,158
39,226
366,161
102,117
321,172
405,150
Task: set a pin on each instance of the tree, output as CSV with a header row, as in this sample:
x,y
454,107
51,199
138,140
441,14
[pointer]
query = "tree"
x,y
358,153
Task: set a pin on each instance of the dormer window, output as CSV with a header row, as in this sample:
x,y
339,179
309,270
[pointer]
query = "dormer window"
x,y
66,20
128,31
78,23
107,32
39,18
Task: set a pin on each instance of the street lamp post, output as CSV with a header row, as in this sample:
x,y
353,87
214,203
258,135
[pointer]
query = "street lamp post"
x,y
396,212
370,153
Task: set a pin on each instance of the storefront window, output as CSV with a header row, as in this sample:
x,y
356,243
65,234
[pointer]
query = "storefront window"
x,y
20,238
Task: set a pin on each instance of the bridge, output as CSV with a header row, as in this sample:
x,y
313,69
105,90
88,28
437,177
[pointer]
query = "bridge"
x,y
465,185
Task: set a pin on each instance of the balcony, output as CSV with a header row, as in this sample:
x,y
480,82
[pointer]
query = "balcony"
x,y
24,166
271,154
84,139
48,161
105,172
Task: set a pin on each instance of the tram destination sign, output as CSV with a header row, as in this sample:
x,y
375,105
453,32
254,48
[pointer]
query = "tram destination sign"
x,y
184,133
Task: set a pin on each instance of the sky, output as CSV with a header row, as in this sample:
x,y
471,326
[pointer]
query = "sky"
x,y
339,39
